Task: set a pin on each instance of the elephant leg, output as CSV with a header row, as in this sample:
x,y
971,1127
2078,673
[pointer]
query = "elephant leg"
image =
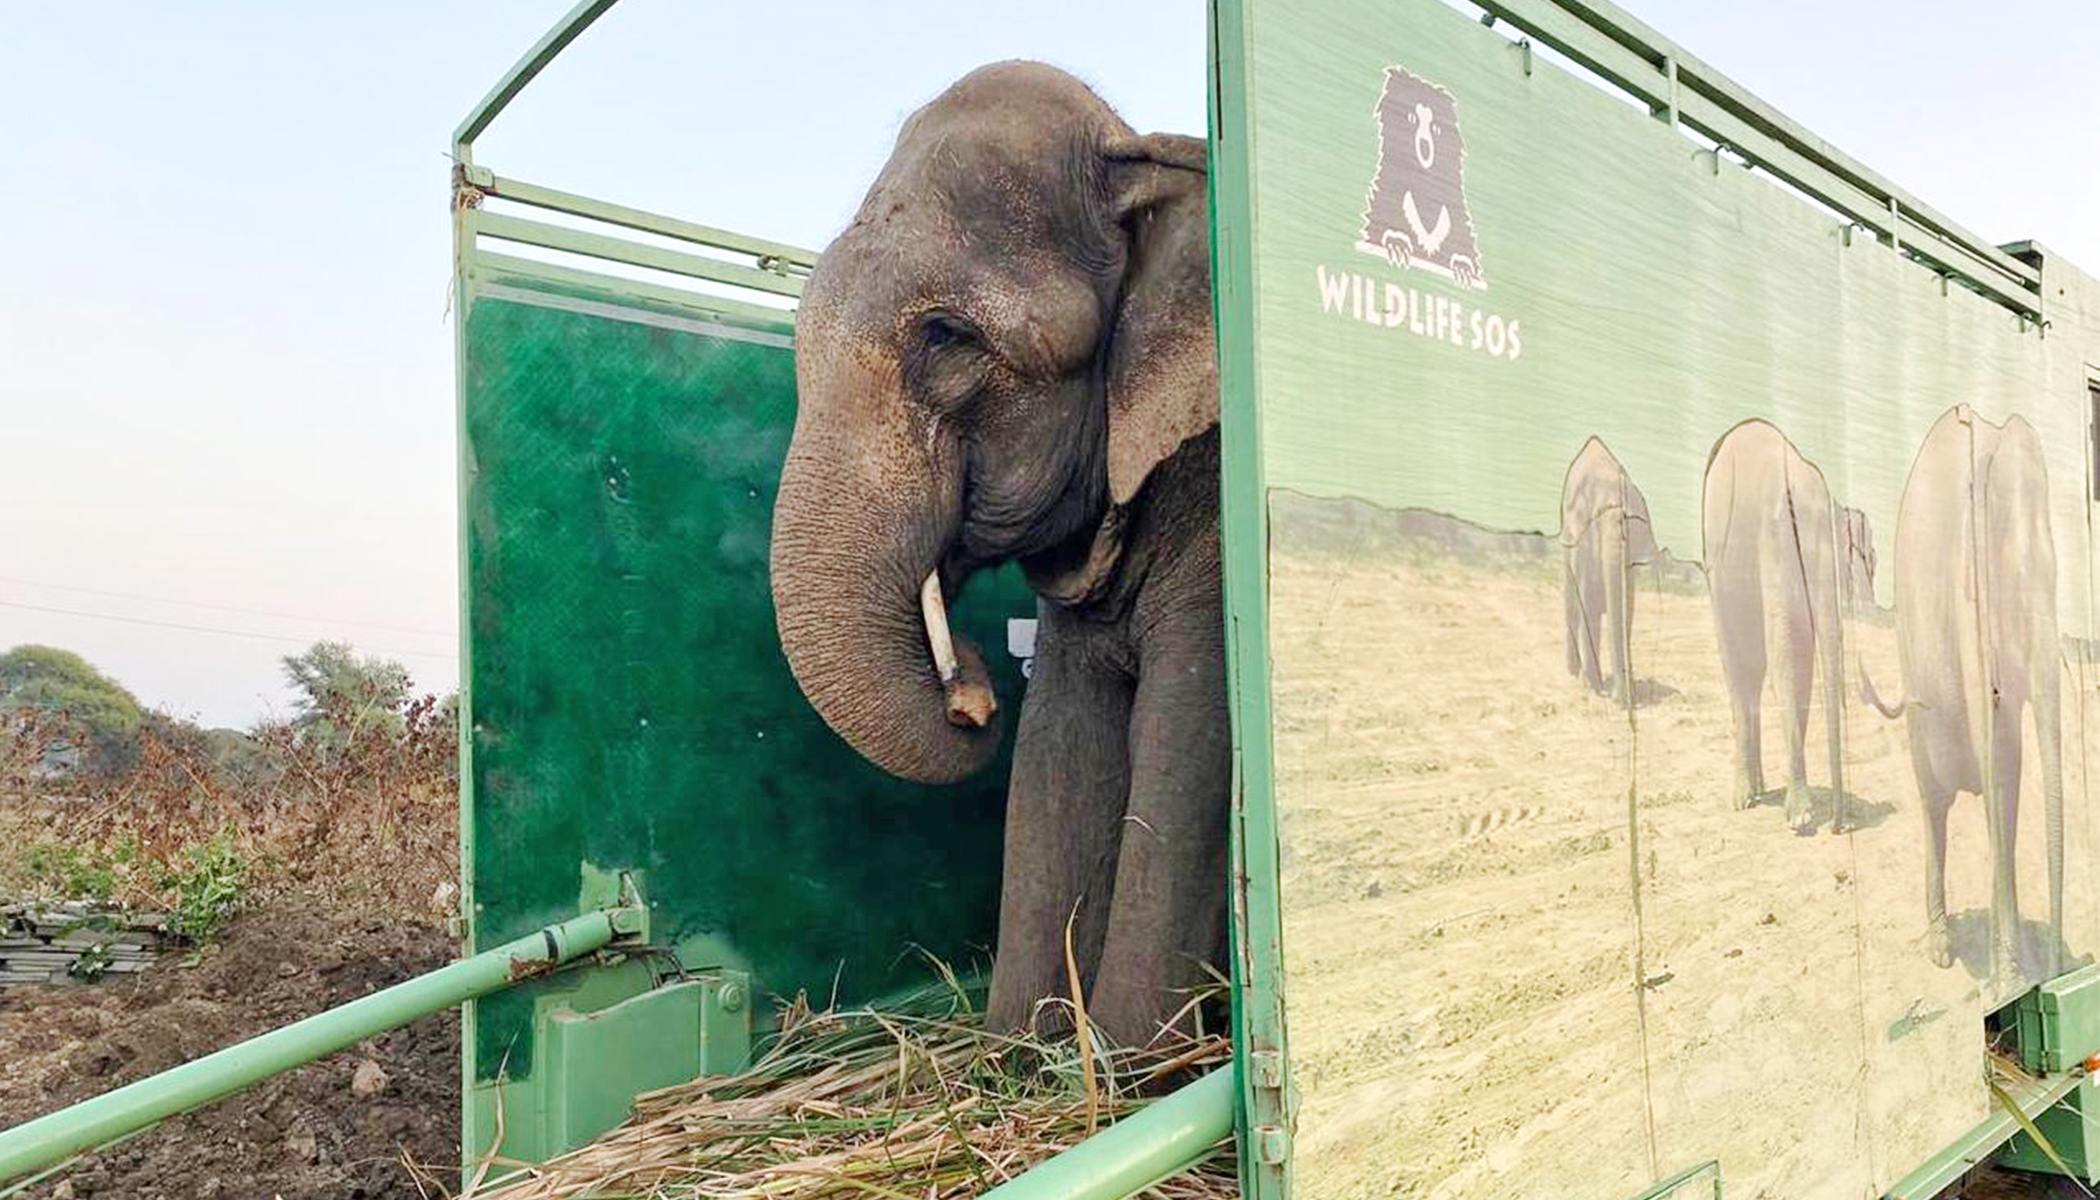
x,y
1589,600
1618,612
1830,658
1939,945
1571,607
2004,803
1749,726
1796,668
1071,772
1739,624
2049,746
1167,921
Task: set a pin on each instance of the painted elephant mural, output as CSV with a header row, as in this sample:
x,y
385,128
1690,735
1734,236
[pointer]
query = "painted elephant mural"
x,y
1782,562
1976,637
1856,544
1604,534
1007,357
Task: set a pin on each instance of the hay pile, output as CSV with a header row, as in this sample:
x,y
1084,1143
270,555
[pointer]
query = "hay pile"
x,y
914,1103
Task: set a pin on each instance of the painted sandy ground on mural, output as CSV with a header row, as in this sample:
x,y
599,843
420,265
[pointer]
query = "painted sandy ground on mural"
x,y
1459,927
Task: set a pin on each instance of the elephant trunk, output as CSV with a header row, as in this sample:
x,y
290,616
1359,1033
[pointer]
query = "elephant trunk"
x,y
860,601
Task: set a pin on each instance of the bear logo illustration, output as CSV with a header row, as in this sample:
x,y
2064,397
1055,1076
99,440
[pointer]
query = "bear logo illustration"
x,y
1415,216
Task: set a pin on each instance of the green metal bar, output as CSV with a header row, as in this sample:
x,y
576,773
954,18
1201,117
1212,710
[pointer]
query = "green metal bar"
x,y
463,258
1167,1136
533,194
34,1145
1940,1171
1616,22
634,254
699,303
522,72
1668,1187
1634,58
1260,1042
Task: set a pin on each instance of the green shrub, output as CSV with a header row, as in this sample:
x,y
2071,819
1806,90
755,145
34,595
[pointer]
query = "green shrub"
x,y
210,885
73,871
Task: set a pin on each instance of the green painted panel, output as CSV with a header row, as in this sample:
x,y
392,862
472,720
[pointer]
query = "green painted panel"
x,y
1529,941
628,703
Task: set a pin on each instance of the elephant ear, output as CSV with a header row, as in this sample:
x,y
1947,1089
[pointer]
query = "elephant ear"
x,y
1161,373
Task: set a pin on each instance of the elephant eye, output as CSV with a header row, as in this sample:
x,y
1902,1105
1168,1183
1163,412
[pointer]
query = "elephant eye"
x,y
941,331
950,359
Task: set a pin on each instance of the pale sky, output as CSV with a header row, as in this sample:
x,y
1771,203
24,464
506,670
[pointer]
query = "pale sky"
x,y
225,360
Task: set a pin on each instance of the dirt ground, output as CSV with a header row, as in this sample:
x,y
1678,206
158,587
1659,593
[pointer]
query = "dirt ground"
x,y
1532,949
307,1134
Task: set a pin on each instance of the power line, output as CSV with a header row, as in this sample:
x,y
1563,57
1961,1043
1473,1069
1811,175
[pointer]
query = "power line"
x,y
253,612
240,633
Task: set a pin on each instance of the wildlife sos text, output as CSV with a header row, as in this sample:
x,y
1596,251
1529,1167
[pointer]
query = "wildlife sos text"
x,y
1348,294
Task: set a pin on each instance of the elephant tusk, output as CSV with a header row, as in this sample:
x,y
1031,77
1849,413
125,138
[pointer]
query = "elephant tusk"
x,y
938,638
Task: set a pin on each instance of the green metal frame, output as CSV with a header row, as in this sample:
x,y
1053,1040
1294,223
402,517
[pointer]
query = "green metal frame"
x,y
2072,1127
744,269
1976,1147
522,72
1169,1135
1257,914
1679,89
1664,1189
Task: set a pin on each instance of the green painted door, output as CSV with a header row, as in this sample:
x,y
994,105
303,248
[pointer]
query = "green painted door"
x,y
629,707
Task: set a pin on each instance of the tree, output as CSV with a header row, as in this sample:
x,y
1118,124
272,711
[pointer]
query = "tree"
x,y
92,718
345,697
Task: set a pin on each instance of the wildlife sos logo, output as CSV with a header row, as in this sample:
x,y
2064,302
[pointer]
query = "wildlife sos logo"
x,y
1415,215
1416,219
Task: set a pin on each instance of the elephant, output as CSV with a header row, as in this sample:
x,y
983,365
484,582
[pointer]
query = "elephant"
x,y
1604,534
1976,639
1782,562
1007,356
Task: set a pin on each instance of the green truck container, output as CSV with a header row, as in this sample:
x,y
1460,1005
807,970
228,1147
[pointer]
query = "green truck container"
x,y
1525,320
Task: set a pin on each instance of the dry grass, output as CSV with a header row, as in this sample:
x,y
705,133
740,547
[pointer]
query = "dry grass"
x,y
373,825
920,1104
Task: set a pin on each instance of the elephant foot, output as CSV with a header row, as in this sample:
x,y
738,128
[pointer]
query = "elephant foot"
x,y
1800,811
1749,789
2005,959
1939,947
2005,965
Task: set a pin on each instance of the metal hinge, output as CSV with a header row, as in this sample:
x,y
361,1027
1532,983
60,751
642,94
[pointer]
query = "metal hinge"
x,y
1272,1145
1272,1140
1267,1069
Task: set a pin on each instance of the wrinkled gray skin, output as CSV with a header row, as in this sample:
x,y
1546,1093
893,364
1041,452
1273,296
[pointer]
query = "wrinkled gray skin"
x,y
1604,534
1977,639
1007,356
1783,563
